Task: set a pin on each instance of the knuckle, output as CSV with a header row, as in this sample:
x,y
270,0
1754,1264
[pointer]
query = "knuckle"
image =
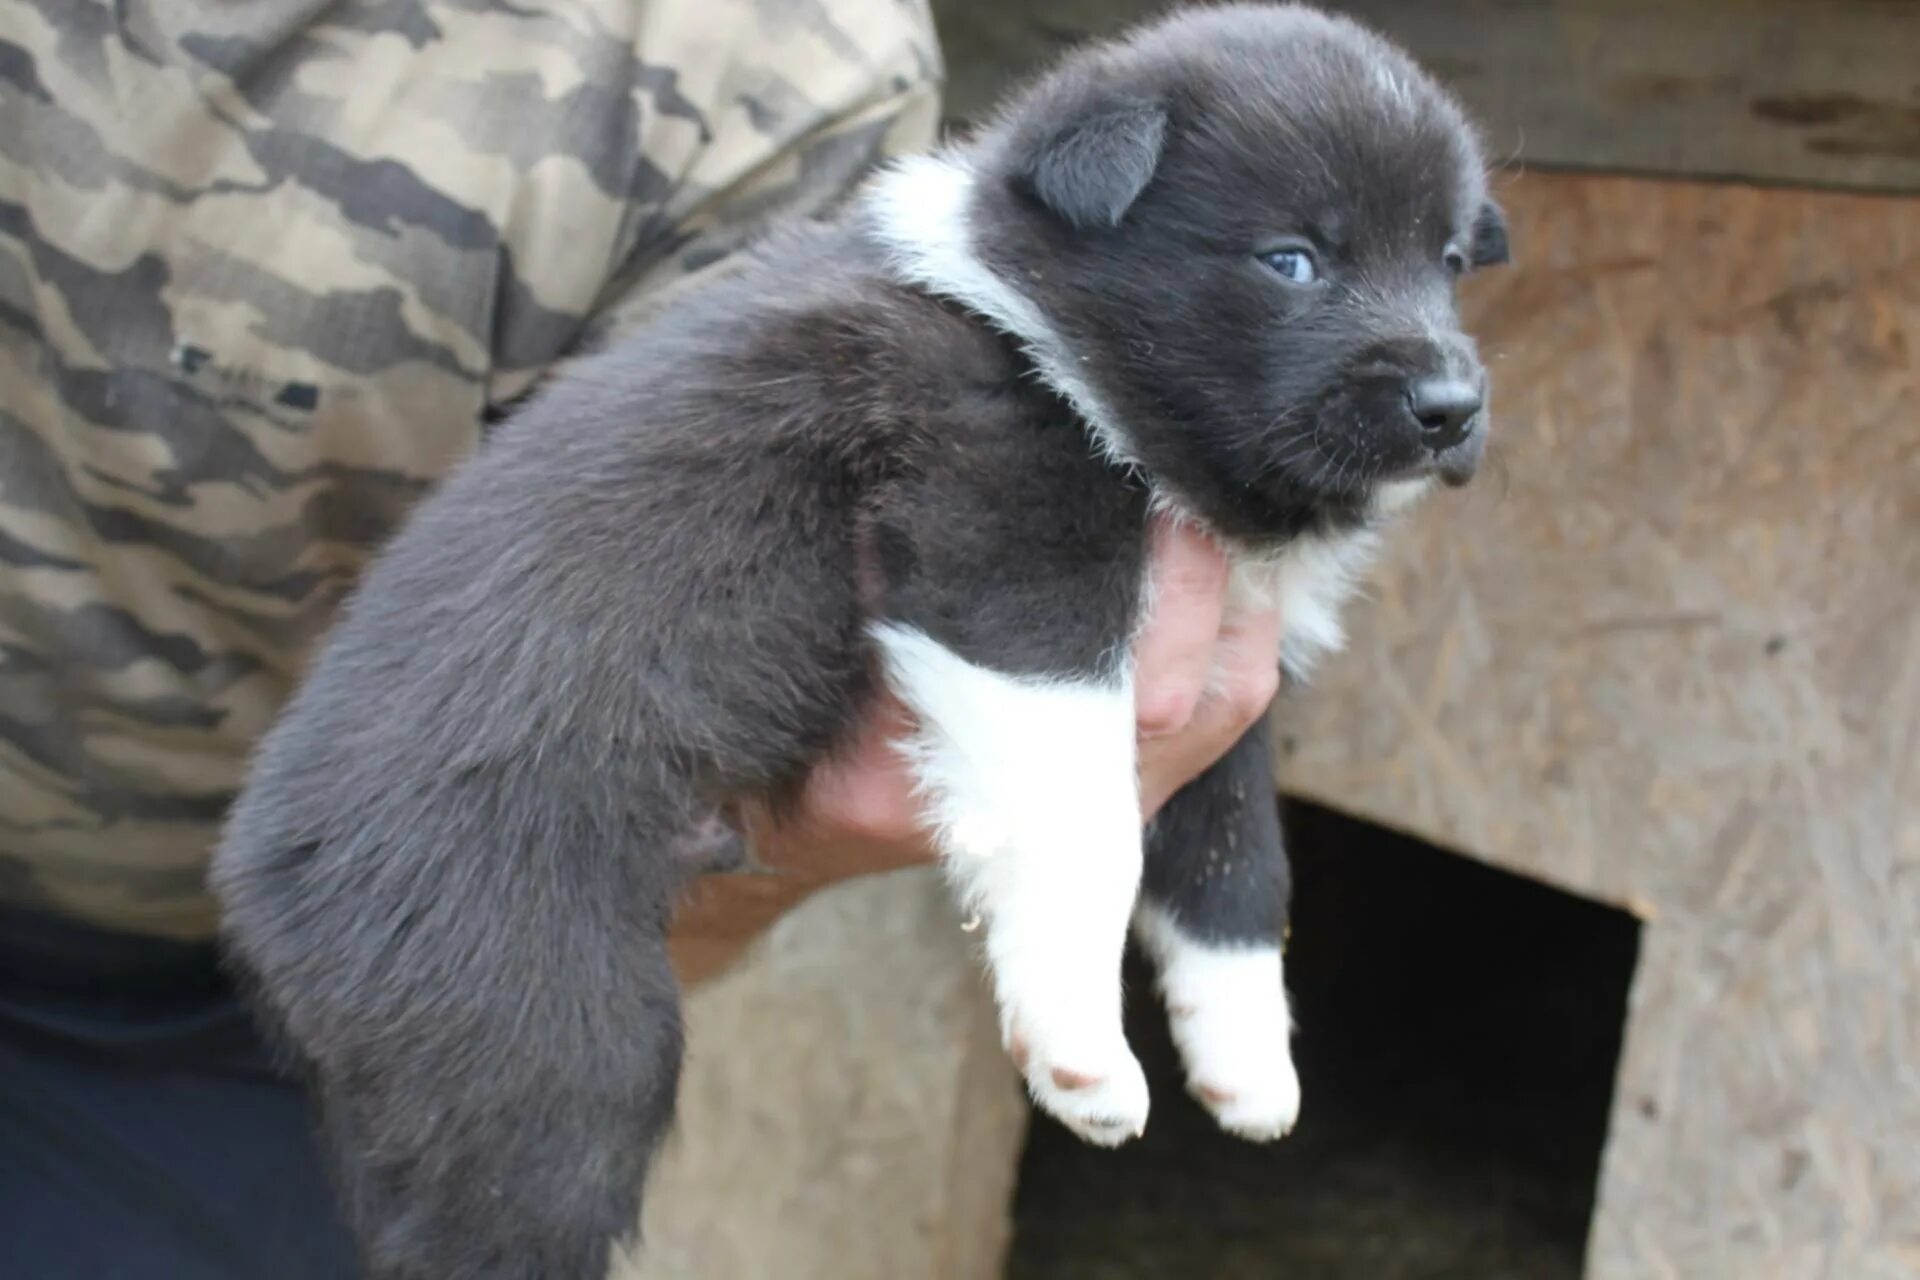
x,y
877,814
845,802
1164,711
1253,692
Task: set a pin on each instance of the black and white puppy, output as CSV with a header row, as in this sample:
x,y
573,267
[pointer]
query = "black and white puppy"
x,y
1209,267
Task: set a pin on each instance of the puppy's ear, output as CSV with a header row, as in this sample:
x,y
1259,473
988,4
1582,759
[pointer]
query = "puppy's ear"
x,y
1490,237
1091,169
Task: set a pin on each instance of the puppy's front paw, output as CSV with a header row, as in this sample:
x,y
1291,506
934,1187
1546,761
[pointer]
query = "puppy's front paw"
x,y
1239,1065
1098,1092
1228,1008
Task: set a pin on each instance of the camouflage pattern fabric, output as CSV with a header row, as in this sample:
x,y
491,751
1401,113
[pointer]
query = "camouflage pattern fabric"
x,y
266,270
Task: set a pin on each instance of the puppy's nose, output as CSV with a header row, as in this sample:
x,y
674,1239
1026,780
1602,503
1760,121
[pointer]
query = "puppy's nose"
x,y
1444,408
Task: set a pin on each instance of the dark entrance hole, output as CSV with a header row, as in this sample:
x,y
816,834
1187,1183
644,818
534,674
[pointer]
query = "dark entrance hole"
x,y
1459,1029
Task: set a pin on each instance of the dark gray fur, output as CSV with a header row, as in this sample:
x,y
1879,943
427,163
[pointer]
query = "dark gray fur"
x,y
451,873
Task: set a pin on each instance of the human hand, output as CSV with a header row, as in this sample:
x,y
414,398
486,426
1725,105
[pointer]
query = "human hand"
x,y
1201,679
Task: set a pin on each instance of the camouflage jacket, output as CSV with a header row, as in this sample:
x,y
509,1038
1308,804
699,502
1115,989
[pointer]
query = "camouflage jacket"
x,y
266,269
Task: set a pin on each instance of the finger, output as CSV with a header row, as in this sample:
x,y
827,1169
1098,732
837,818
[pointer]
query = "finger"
x,y
1246,672
1240,689
867,789
1175,650
859,810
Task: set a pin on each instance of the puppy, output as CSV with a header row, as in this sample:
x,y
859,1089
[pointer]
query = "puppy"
x,y
1208,267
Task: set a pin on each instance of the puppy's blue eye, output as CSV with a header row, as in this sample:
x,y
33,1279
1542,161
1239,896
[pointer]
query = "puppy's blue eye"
x,y
1296,265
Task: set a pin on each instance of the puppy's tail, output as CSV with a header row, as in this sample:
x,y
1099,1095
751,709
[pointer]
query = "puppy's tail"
x,y
478,990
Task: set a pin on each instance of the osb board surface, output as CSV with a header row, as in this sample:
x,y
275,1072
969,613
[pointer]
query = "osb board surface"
x,y
1667,653
1778,90
846,1112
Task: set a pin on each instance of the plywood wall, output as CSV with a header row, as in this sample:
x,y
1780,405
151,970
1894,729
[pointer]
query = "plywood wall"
x,y
1667,654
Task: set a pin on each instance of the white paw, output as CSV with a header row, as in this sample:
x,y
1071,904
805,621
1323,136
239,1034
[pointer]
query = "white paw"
x,y
1227,1006
1100,1094
1239,1066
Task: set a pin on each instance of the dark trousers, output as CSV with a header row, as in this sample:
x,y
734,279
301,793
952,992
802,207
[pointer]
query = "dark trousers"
x,y
145,1133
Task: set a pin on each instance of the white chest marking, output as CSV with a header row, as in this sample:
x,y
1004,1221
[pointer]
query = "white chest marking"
x,y
1311,580
1310,583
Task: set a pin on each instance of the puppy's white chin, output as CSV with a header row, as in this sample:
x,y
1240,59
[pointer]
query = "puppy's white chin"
x,y
1394,496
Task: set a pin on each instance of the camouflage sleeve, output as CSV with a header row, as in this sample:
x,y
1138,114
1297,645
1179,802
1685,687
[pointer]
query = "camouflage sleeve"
x,y
266,271
791,142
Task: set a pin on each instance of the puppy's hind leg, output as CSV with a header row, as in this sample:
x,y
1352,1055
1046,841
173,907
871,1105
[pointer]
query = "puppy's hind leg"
x,y
1212,917
1033,785
475,975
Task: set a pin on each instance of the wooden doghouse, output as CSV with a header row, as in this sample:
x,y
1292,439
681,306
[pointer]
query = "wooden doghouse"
x,y
1665,656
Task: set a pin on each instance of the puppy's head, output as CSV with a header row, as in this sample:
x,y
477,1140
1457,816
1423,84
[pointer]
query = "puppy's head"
x,y
1242,229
